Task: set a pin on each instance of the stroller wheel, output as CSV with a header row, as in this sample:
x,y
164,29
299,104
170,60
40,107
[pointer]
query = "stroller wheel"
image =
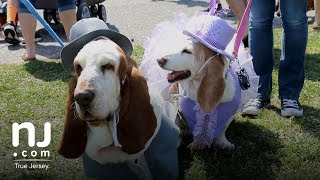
x,y
83,11
47,15
102,13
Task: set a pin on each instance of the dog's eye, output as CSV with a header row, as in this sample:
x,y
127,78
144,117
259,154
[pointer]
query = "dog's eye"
x,y
107,67
187,51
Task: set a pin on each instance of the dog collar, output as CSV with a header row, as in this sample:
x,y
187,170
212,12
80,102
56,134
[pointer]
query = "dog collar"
x,y
115,130
115,117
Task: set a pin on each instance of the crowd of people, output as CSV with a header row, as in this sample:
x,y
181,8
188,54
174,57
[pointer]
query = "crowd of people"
x,y
259,34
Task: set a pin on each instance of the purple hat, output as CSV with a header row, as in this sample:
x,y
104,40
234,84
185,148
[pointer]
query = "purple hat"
x,y
215,33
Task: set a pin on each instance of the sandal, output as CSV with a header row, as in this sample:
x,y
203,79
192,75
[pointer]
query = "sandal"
x,y
25,58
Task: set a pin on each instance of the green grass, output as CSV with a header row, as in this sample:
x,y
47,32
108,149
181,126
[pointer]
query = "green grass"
x,y
267,147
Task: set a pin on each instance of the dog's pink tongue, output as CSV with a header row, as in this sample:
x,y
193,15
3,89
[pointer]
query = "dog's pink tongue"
x,y
173,75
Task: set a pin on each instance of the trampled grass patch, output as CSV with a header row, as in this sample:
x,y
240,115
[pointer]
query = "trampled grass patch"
x,y
267,146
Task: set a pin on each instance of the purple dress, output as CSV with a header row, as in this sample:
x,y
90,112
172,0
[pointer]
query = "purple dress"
x,y
208,126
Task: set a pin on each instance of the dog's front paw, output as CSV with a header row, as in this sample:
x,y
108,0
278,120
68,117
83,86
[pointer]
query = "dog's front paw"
x,y
225,144
197,145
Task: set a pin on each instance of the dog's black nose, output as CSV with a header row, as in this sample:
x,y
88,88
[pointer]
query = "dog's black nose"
x,y
162,61
84,98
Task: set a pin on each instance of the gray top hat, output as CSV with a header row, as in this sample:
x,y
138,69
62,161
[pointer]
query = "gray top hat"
x,y
85,31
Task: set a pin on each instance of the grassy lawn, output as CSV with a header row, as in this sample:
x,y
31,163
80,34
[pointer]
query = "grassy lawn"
x,y
267,147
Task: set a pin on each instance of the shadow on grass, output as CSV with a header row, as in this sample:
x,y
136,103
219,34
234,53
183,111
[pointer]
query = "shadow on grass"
x,y
50,51
47,71
255,155
312,64
310,121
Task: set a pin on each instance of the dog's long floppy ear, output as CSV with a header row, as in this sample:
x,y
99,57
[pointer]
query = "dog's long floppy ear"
x,y
137,121
73,141
213,84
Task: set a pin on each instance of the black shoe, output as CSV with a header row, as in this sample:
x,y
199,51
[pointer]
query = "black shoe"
x,y
290,108
37,37
10,33
219,7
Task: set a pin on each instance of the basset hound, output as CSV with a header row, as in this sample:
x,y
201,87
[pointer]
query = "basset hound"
x,y
205,78
111,117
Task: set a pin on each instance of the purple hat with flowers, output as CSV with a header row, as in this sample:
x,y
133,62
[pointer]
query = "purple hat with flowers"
x,y
214,32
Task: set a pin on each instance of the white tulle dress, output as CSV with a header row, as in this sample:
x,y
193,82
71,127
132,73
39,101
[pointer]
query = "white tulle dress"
x,y
157,43
204,126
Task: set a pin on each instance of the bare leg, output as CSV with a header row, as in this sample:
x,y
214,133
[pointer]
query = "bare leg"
x,y
316,24
238,7
68,19
28,25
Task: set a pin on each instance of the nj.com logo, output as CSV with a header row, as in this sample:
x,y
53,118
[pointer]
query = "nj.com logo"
x,y
31,140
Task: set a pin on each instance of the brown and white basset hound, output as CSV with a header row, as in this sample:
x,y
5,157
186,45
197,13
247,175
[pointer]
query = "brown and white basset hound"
x,y
202,75
110,114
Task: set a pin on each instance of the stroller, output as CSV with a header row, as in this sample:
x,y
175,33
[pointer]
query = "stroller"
x,y
85,9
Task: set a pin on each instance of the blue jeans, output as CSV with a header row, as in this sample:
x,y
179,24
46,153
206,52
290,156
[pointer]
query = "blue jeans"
x,y
294,43
63,5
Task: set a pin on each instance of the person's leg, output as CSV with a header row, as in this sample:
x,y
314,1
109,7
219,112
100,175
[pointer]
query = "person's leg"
x,y
10,27
294,43
28,26
68,19
238,7
12,11
261,43
67,13
316,24
261,48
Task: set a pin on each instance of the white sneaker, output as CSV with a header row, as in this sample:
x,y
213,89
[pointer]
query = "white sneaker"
x,y
291,107
255,106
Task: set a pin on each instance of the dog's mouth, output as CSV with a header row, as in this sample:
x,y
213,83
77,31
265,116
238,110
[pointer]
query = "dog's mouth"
x,y
178,75
91,119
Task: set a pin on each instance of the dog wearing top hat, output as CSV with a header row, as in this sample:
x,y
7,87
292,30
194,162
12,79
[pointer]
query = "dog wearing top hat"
x,y
119,127
197,65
